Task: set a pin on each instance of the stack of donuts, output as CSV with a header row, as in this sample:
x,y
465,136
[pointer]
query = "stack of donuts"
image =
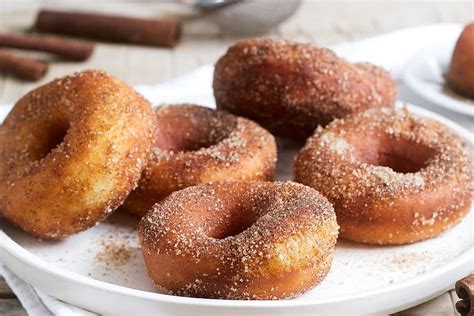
x,y
213,223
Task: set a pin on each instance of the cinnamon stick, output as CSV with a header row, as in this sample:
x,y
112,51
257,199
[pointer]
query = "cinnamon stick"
x,y
22,67
68,49
110,28
465,291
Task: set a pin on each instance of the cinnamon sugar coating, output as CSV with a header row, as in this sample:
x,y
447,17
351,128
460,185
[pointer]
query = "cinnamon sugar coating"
x,y
239,240
291,88
461,70
70,153
393,177
195,145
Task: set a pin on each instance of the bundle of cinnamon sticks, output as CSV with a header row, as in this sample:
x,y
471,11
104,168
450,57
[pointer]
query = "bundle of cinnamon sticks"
x,y
161,33
110,28
27,68
465,291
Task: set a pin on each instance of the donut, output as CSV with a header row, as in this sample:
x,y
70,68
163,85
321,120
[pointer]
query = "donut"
x,y
70,153
241,240
460,75
291,88
195,145
393,177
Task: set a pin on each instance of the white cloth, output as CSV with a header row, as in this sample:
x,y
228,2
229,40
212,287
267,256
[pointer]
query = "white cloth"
x,y
390,51
35,302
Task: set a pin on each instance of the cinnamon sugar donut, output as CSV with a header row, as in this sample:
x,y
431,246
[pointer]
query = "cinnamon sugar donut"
x,y
291,88
70,152
461,70
393,177
239,240
195,145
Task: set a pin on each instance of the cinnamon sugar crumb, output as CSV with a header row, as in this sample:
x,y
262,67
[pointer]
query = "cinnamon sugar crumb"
x,y
115,253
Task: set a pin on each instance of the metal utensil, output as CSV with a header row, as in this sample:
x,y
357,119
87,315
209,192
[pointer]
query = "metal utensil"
x,y
244,17
252,17
209,5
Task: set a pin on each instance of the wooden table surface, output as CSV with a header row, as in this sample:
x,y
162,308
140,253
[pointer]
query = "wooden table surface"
x,y
319,22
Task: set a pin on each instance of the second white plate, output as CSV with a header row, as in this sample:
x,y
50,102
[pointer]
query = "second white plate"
x,y
424,75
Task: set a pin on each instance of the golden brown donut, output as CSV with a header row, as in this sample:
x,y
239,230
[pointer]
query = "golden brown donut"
x,y
195,145
239,240
393,177
70,152
291,88
461,70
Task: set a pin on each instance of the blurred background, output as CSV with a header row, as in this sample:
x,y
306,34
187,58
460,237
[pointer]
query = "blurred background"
x,y
207,33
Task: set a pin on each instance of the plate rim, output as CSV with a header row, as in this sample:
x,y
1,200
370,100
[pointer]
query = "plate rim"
x,y
37,263
16,250
433,96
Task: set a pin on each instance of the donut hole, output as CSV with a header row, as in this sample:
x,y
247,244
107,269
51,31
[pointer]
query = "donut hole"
x,y
397,153
236,220
184,129
231,228
50,138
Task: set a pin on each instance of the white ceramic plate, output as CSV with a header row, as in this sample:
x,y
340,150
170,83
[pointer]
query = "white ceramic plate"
x,y
424,75
102,270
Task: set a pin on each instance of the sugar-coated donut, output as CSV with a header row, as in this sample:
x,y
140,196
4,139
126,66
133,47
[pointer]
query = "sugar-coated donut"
x,y
239,240
393,177
461,70
195,145
70,152
291,88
